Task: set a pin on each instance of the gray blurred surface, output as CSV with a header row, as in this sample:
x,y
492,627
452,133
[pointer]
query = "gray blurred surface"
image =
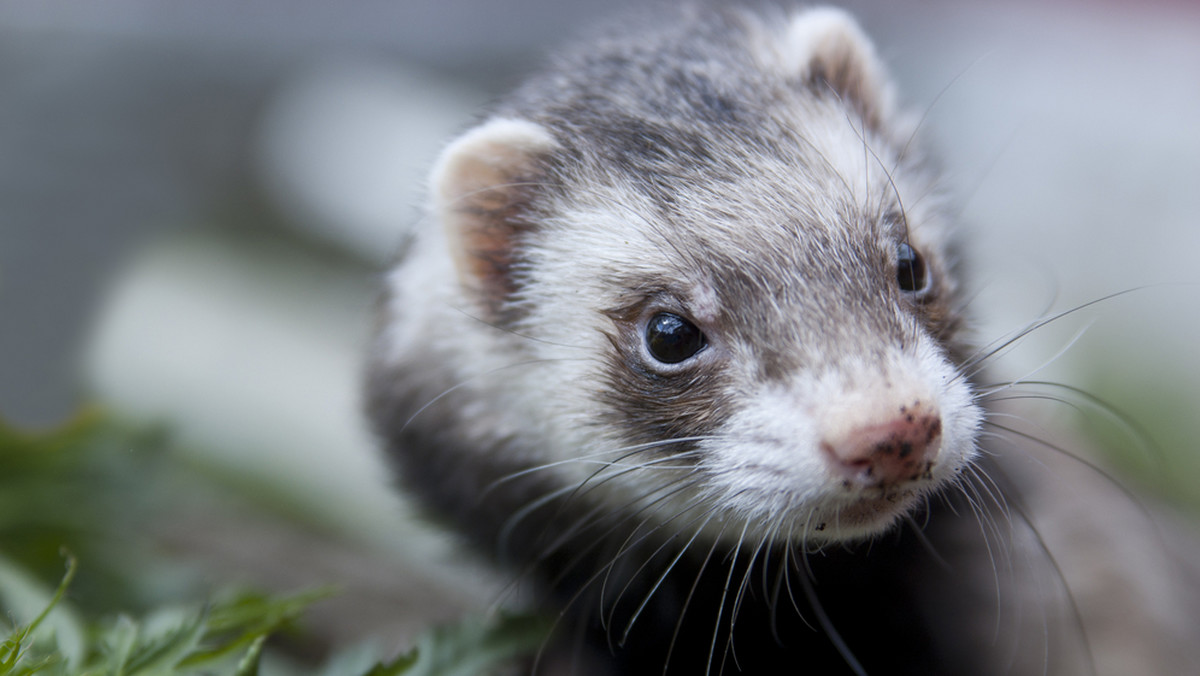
x,y
104,143
122,121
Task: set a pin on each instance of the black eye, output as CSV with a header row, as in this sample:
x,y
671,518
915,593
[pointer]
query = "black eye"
x,y
672,339
910,269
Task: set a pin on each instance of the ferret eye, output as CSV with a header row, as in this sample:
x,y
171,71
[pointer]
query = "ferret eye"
x,y
672,339
910,269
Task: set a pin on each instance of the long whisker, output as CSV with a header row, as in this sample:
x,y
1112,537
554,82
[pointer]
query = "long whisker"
x,y
588,520
970,366
1132,427
1089,659
1107,476
688,601
737,550
831,631
577,491
730,647
467,381
666,571
589,458
632,542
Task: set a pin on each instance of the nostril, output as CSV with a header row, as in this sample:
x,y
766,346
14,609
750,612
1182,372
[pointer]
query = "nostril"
x,y
900,450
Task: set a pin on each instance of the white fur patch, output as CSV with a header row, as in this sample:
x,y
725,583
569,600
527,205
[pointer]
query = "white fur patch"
x,y
769,466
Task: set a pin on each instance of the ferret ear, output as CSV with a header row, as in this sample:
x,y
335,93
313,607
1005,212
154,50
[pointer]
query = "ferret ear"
x,y
826,49
482,186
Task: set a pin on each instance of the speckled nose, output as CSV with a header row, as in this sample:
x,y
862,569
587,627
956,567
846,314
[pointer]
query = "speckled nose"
x,y
892,452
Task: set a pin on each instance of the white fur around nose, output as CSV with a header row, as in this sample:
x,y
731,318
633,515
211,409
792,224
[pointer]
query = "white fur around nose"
x,y
770,466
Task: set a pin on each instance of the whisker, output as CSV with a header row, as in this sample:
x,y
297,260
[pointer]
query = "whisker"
x,y
1053,358
589,458
630,542
601,506
987,524
577,491
1064,585
887,174
1132,427
781,580
582,588
831,631
667,571
1100,471
933,104
730,647
970,366
928,546
468,381
589,520
799,563
737,550
688,601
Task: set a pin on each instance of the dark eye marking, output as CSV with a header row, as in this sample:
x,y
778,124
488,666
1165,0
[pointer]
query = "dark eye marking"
x,y
672,339
911,273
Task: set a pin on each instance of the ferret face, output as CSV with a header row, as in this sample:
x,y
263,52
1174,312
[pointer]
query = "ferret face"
x,y
729,305
780,361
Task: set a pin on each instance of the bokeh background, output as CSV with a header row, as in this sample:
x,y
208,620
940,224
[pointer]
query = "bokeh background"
x,y
196,200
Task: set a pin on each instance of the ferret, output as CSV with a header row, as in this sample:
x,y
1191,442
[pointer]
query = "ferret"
x,y
682,343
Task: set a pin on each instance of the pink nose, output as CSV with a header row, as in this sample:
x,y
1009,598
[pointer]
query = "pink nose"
x,y
885,454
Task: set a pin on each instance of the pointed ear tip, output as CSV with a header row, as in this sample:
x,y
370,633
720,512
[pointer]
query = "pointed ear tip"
x,y
486,156
830,32
498,143
512,132
829,42
827,20
478,192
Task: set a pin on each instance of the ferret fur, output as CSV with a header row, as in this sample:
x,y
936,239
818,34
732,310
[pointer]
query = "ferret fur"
x,y
750,172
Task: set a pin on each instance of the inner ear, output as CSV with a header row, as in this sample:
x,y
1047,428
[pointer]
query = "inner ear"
x,y
826,50
483,186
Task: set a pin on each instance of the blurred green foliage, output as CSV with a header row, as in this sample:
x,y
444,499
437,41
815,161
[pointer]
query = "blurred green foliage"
x,y
91,487
86,486
226,636
1149,432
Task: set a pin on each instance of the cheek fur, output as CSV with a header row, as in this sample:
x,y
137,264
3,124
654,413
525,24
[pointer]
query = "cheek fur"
x,y
649,405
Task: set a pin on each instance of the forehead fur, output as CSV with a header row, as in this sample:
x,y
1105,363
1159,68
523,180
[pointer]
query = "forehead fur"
x,y
717,135
697,171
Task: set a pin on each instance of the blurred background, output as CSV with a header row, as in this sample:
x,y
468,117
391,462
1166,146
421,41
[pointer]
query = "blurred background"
x,y
196,200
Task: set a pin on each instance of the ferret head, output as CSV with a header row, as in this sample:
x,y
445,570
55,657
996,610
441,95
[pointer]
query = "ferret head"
x,y
714,289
